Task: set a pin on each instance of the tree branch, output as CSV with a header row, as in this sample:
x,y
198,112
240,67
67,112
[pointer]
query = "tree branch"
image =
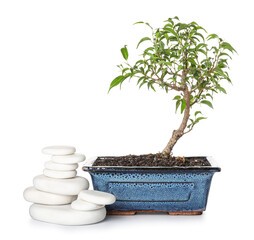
x,y
189,129
172,73
203,78
209,72
180,131
199,94
174,87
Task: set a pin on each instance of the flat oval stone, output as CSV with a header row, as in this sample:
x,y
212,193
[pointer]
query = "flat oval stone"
x,y
65,215
59,150
71,186
31,194
60,167
82,205
97,197
69,159
59,174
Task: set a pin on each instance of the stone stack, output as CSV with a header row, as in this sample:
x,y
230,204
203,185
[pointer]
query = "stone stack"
x,y
53,192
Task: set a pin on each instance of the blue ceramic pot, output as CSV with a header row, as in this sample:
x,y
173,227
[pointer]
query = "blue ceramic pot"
x,y
170,189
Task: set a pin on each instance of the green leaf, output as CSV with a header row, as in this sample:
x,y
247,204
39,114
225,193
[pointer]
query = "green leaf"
x,y
182,26
116,81
221,89
168,25
166,63
212,36
200,35
221,63
192,123
194,23
192,61
139,62
144,23
171,31
226,45
170,21
143,39
200,118
225,54
124,70
172,39
202,51
197,112
140,79
192,39
178,104
213,90
216,50
150,84
138,22
149,49
177,97
124,52
209,95
199,27
221,73
201,45
179,67
183,105
142,83
149,25
208,103
191,99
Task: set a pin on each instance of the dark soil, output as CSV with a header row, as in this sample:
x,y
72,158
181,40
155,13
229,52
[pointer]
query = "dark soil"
x,y
153,160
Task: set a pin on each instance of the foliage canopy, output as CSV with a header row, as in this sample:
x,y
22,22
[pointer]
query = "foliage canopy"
x,y
184,58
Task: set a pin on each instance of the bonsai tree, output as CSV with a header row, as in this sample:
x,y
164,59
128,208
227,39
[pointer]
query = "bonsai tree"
x,y
182,59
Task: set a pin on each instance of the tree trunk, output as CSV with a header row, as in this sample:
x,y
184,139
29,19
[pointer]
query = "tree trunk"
x,y
177,134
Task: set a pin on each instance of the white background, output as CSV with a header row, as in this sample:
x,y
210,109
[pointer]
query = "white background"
x,y
57,59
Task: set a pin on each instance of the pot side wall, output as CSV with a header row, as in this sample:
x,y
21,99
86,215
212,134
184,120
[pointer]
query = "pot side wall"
x,y
159,190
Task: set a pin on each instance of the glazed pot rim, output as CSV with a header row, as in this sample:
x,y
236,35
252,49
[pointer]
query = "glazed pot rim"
x,y
88,165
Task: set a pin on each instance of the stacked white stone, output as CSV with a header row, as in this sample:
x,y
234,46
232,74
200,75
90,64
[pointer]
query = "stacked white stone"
x,y
59,186
87,209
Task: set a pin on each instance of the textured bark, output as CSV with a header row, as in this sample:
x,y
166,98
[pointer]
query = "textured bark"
x,y
177,134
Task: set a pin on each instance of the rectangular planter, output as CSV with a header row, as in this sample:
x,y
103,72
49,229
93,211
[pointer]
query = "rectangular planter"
x,y
179,190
